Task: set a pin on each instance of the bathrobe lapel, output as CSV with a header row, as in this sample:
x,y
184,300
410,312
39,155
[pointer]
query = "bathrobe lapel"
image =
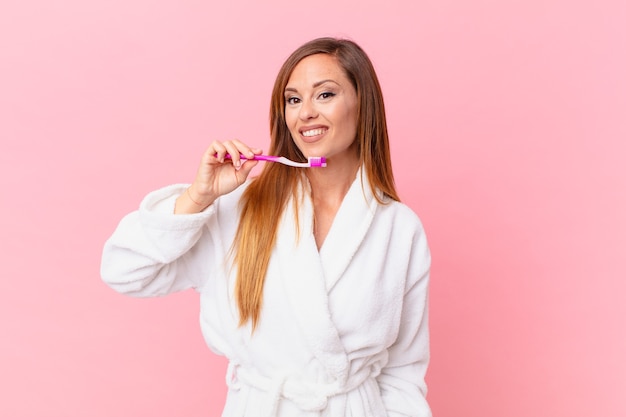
x,y
348,230
309,275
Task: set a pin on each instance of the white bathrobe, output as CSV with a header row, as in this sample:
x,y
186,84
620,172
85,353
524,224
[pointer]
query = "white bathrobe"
x,y
343,331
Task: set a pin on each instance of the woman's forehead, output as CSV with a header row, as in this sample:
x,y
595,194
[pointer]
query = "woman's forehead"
x,y
315,70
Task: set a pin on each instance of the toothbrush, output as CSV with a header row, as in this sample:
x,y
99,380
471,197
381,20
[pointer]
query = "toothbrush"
x,y
313,162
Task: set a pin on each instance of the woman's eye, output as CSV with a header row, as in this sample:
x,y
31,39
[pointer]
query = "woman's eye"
x,y
293,100
326,95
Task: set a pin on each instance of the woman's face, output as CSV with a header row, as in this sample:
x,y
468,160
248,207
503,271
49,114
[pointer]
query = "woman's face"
x,y
321,109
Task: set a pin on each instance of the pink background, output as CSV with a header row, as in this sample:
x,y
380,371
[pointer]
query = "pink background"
x,y
508,126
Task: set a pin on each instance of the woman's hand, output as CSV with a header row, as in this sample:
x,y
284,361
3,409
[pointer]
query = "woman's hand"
x,y
217,175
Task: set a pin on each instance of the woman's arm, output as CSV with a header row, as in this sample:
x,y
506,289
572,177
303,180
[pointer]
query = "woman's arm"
x,y
154,251
166,245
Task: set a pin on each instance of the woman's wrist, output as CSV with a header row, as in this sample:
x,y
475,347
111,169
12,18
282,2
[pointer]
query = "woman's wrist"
x,y
191,202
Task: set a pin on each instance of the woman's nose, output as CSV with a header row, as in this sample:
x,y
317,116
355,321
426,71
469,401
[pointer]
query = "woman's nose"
x,y
308,110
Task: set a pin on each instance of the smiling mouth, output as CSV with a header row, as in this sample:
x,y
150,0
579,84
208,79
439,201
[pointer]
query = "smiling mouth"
x,y
313,132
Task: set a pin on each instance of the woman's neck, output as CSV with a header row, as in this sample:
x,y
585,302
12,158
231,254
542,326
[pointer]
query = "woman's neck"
x,y
332,182
329,186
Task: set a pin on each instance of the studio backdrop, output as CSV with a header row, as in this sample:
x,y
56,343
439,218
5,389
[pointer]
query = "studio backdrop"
x,y
508,135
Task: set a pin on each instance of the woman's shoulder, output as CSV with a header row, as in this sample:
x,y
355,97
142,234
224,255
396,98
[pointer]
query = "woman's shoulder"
x,y
405,229
401,213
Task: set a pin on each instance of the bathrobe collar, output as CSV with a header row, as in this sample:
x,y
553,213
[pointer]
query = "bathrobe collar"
x,y
309,275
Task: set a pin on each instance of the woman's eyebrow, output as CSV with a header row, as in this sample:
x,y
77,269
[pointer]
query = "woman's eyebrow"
x,y
315,85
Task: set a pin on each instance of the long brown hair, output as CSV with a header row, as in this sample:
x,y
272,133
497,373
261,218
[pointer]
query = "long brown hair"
x,y
264,201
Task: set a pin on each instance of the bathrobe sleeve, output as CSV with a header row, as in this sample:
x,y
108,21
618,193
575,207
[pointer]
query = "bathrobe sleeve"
x,y
154,252
401,381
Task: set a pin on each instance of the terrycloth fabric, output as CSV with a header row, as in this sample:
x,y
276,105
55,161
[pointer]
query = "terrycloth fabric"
x,y
343,330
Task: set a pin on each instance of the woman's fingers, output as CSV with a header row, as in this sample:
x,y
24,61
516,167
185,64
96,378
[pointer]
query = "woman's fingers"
x,y
221,163
231,150
222,169
238,151
246,168
216,150
234,149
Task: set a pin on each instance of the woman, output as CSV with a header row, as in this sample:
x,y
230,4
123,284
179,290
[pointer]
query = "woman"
x,y
313,282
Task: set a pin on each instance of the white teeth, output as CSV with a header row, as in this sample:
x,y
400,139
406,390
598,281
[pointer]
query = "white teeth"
x,y
313,132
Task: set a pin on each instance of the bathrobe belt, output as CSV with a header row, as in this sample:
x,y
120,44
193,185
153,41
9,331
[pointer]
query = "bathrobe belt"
x,y
307,395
